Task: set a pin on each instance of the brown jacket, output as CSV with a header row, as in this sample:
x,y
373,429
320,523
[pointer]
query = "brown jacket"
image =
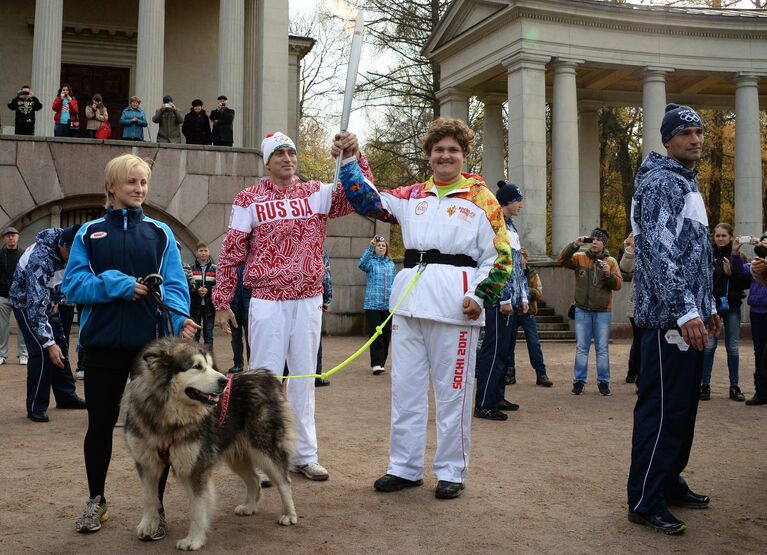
x,y
593,290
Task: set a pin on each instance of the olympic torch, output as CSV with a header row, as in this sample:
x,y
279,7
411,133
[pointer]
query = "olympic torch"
x,y
351,79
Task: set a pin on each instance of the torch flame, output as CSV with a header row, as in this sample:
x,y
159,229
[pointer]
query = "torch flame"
x,y
344,12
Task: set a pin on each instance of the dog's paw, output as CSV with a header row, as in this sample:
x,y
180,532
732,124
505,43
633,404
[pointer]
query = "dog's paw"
x,y
287,520
190,544
151,528
245,510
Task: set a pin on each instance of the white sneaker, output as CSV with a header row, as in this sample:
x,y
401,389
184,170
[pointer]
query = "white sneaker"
x,y
378,370
23,360
313,471
2,361
80,374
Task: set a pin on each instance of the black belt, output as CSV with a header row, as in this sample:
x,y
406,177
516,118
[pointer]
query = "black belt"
x,y
415,257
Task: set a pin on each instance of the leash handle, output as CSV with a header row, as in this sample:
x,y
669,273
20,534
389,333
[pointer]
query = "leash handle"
x,y
153,283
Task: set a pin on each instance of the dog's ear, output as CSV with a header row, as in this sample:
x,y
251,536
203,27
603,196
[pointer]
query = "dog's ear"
x,y
155,356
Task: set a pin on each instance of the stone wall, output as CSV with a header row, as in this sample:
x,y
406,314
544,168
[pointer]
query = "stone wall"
x,y
191,189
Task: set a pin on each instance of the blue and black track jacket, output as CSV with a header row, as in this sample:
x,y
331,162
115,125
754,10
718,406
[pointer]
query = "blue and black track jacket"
x,y
107,257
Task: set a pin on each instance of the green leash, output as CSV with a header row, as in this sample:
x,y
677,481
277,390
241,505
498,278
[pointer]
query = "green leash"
x,y
379,331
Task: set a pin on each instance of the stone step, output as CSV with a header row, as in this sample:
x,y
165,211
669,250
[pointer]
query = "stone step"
x,y
554,319
545,311
546,336
560,326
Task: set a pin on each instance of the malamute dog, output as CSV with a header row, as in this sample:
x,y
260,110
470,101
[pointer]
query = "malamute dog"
x,y
173,416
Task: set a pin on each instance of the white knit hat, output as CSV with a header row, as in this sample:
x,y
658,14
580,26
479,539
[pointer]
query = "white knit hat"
x,y
275,141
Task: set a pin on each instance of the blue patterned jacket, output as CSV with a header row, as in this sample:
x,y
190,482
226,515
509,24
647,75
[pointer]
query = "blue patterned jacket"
x,y
36,284
515,291
379,277
673,280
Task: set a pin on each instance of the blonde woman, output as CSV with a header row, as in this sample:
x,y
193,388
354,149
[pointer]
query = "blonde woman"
x,y
109,256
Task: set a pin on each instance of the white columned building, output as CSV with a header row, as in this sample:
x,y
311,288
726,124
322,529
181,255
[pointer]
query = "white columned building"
x,y
493,152
564,154
231,60
526,79
46,59
748,156
150,59
653,109
604,54
589,199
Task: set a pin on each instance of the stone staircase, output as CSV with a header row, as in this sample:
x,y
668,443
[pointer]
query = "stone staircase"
x,y
551,326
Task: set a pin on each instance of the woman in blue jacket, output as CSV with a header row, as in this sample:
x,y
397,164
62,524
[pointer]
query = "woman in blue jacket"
x,y
379,275
133,121
108,258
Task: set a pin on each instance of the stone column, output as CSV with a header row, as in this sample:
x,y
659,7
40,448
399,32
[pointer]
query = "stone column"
x,y
272,78
527,144
231,64
493,149
653,109
748,160
454,103
589,199
565,220
250,72
150,60
46,60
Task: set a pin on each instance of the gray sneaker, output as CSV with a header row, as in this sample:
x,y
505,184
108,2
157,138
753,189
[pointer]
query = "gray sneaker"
x,y
313,471
94,514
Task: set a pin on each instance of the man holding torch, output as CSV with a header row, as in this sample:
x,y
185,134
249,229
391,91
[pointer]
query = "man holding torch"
x,y
277,231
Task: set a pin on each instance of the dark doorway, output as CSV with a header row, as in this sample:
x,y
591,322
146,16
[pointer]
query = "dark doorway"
x,y
112,82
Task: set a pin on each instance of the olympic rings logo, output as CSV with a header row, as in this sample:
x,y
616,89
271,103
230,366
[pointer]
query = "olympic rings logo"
x,y
689,116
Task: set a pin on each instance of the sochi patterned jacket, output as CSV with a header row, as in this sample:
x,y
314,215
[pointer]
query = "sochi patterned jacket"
x,y
673,265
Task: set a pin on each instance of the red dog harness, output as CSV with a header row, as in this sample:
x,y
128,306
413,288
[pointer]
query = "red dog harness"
x,y
224,402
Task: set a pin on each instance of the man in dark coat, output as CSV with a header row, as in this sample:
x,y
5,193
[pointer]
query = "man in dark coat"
x,y
196,126
222,118
25,104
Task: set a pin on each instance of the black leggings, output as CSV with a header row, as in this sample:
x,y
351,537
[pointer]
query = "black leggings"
x,y
104,388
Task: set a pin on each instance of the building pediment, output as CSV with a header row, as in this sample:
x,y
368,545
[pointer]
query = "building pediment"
x,y
462,16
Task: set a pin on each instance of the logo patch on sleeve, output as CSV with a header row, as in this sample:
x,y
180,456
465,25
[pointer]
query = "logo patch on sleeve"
x,y
98,235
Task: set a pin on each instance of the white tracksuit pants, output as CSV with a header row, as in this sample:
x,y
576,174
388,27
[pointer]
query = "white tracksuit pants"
x,y
289,331
446,352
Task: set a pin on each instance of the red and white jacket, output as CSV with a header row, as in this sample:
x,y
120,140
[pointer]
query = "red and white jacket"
x,y
280,237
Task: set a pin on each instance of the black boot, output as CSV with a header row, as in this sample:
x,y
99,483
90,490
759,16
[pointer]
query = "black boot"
x,y
705,392
736,394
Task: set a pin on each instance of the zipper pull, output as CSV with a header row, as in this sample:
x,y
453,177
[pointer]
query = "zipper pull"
x,y
125,219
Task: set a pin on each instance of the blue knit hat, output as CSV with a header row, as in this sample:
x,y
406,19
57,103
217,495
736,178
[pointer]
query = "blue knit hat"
x,y
507,193
677,118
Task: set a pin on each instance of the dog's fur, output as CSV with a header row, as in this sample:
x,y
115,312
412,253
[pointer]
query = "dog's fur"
x,y
171,415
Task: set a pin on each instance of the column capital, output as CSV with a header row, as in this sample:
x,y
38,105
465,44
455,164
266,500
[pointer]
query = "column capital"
x,y
453,93
746,79
655,73
526,60
565,65
493,98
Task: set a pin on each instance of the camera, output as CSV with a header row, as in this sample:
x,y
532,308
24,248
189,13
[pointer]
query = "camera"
x,y
166,106
379,239
724,304
744,239
601,264
588,240
760,251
